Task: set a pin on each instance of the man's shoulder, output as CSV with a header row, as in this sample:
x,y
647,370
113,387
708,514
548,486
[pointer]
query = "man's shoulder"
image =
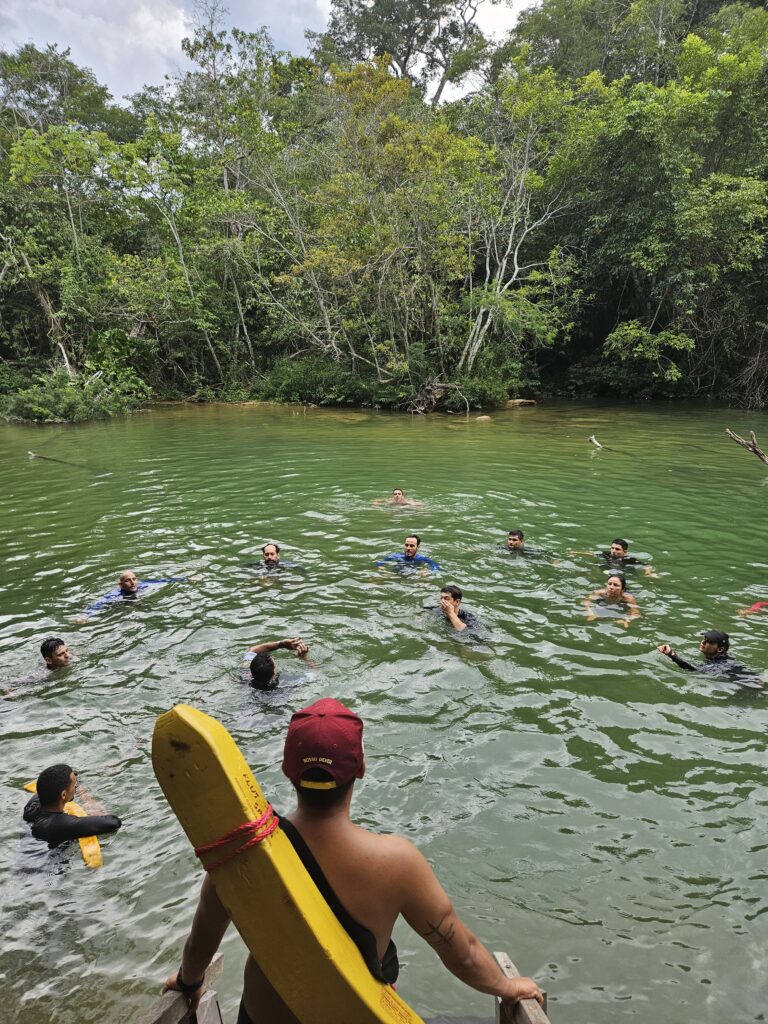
x,y
394,847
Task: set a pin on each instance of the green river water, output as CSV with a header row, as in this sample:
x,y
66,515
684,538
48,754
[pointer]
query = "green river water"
x,y
593,810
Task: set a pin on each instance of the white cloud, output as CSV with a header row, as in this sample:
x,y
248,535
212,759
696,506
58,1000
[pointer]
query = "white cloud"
x,y
126,44
497,19
129,44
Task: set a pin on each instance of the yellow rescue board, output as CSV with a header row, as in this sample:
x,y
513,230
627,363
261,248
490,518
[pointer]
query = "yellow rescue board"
x,y
284,921
89,845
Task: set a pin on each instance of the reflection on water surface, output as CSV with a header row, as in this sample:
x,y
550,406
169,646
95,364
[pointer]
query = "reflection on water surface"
x,y
593,810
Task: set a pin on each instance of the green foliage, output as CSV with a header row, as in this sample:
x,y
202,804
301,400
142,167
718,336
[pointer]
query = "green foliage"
x,y
429,42
597,376
18,375
315,230
58,397
315,381
633,341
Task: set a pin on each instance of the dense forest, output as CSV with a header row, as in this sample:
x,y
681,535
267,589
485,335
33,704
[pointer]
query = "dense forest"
x,y
589,218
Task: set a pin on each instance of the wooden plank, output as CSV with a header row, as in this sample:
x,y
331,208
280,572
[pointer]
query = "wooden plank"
x,y
527,1011
173,1008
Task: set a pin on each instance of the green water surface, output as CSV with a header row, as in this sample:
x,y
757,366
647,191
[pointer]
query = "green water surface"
x,y
593,810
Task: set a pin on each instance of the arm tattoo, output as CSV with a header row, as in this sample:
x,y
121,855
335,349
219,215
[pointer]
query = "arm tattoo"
x,y
435,936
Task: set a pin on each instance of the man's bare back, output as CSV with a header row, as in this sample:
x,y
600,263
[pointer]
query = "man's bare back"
x,y
375,877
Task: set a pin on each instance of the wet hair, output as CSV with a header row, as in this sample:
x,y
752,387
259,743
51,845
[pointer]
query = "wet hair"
x,y
263,671
415,536
51,782
622,543
517,533
620,577
320,799
398,489
455,593
271,544
50,645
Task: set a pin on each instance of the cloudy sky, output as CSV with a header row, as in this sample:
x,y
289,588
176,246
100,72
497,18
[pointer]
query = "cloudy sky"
x,y
130,43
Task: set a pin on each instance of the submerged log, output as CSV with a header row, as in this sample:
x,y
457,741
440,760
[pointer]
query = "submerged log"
x,y
751,446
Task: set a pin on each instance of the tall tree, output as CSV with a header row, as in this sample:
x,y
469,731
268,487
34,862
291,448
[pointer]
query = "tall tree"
x,y
429,42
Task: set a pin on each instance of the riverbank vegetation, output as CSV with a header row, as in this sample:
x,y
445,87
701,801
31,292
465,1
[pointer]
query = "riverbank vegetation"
x,y
589,218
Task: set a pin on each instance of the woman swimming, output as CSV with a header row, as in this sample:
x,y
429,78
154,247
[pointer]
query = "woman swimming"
x,y
613,593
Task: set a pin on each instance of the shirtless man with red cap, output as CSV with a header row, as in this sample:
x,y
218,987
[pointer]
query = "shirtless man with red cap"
x,y
367,879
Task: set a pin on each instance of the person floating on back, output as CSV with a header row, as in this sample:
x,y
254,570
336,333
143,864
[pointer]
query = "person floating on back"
x,y
715,646
262,672
368,880
45,810
129,587
410,557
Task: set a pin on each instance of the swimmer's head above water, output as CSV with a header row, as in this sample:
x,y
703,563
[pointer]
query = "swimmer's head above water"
x,y
714,642
55,652
615,586
515,540
271,553
128,582
56,786
452,594
411,545
619,548
263,672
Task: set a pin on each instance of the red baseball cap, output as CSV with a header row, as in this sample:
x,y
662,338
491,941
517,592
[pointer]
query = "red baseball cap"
x,y
324,735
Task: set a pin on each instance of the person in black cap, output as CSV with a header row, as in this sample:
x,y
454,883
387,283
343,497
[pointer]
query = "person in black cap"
x,y
717,661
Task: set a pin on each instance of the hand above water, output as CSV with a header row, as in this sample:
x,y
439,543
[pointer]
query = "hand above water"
x,y
193,998
522,988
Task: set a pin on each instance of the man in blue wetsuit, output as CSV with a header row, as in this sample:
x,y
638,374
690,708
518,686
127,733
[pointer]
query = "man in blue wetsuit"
x,y
368,880
45,811
129,587
410,557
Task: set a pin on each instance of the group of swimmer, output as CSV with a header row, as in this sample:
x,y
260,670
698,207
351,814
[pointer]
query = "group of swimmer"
x,y
361,865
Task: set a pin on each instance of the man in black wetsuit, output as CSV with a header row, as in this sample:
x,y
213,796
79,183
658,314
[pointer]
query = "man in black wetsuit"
x,y
717,661
367,879
45,811
616,556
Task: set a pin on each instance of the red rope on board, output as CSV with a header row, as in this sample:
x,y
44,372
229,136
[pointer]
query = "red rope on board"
x,y
268,822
